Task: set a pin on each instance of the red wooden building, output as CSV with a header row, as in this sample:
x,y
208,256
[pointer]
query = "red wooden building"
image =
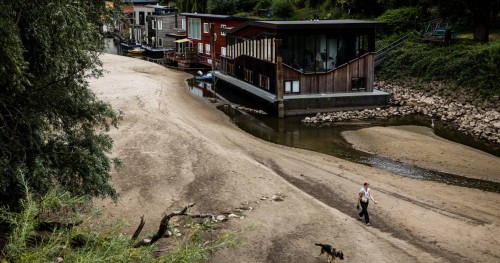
x,y
198,45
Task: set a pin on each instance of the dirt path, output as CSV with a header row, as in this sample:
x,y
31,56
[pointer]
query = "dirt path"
x,y
178,149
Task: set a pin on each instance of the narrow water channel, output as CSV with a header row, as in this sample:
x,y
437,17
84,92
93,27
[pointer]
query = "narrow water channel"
x,y
327,138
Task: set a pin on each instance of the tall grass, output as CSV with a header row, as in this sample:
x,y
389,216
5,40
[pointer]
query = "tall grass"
x,y
87,242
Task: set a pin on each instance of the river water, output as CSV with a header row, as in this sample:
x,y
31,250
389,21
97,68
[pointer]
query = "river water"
x,y
327,138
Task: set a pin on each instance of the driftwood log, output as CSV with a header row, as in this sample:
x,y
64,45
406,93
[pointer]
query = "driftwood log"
x,y
162,229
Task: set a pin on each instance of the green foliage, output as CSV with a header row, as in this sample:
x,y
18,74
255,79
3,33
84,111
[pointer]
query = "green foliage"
x,y
53,127
263,4
299,3
89,242
246,6
282,8
222,7
193,248
467,65
400,20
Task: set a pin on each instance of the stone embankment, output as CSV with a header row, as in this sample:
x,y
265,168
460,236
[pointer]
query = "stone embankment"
x,y
466,112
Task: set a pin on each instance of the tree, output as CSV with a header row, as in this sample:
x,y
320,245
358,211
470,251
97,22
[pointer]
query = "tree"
x,y
222,7
282,8
52,126
479,12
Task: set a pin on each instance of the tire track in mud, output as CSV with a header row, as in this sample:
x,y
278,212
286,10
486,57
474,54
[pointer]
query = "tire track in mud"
x,y
328,196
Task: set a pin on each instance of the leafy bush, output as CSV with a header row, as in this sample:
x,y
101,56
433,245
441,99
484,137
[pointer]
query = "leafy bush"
x,y
282,8
222,7
263,4
247,6
400,20
467,65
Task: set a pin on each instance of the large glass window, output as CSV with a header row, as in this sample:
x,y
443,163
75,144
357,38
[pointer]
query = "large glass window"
x,y
323,52
194,28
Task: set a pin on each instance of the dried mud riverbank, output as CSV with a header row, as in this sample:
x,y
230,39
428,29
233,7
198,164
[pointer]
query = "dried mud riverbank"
x,y
178,149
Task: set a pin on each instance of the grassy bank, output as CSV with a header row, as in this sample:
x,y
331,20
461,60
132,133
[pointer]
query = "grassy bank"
x,y
465,65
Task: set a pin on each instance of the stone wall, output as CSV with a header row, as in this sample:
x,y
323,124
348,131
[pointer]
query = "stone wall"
x,y
466,112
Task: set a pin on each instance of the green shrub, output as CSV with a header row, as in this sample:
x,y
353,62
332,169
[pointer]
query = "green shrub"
x,y
282,8
400,20
222,7
466,65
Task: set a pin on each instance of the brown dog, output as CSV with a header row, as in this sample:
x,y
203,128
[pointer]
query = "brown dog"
x,y
331,252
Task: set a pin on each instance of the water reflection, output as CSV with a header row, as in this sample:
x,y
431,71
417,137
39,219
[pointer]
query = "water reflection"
x,y
327,139
201,88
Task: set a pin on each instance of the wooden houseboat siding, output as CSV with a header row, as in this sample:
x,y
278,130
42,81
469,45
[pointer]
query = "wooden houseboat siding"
x,y
335,81
257,69
260,48
159,27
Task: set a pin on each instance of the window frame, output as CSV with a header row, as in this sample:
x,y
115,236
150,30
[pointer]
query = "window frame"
x,y
194,32
207,49
264,82
205,28
200,50
222,33
291,87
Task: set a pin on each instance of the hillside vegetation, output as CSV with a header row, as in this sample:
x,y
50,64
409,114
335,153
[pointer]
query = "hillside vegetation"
x,y
464,65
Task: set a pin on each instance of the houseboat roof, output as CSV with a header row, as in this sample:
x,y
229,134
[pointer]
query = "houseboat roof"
x,y
214,16
311,24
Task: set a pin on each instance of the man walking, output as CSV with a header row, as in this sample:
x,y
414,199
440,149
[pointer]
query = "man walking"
x,y
363,200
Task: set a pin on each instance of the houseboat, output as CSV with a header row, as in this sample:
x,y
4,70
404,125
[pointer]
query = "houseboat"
x,y
303,67
136,11
160,24
205,33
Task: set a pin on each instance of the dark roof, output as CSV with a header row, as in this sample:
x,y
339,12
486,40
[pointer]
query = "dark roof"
x,y
214,16
310,24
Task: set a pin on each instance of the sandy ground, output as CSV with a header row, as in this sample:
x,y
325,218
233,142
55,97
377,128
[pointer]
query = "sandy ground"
x,y
425,149
178,148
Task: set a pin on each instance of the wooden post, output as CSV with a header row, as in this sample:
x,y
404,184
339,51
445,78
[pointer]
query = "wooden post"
x,y
213,37
279,77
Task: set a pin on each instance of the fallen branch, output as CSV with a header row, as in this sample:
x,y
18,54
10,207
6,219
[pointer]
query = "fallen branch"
x,y
139,228
164,225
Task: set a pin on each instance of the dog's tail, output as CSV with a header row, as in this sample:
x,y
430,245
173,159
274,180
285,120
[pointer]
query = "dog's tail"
x,y
325,247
